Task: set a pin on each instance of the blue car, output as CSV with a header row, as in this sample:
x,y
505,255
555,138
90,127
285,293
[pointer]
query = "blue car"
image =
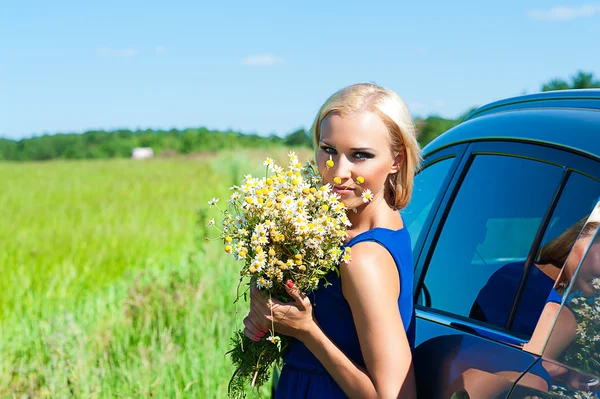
x,y
504,220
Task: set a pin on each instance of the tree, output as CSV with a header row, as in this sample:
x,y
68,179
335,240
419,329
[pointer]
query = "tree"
x,y
298,138
433,126
581,80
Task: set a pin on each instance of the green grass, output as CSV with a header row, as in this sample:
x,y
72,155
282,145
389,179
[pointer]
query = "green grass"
x,y
108,286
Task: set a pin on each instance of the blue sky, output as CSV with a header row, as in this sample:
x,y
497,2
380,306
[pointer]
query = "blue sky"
x,y
265,67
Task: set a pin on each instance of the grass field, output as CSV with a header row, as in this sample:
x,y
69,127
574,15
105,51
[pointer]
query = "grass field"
x,y
108,287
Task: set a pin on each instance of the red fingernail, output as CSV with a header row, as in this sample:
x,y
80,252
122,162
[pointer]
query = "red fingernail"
x,y
289,283
260,334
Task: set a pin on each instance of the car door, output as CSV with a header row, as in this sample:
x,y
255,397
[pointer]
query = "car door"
x,y
495,208
571,338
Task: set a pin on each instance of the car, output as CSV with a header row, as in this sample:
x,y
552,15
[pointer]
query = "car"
x,y
494,196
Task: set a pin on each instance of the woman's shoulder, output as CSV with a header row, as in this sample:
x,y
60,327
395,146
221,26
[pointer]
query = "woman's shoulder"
x,y
389,238
378,246
371,266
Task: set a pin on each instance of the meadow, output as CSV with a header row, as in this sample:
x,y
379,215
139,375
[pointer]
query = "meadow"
x,y
109,287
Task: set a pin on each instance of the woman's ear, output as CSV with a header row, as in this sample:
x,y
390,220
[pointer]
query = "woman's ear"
x,y
398,161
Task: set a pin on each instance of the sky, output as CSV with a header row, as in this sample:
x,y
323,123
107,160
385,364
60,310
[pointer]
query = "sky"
x,y
265,67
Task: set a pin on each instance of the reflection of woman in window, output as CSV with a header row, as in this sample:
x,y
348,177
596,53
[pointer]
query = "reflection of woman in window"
x,y
484,382
570,261
556,331
495,300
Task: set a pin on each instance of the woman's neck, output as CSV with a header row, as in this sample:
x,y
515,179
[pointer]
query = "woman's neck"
x,y
549,270
371,215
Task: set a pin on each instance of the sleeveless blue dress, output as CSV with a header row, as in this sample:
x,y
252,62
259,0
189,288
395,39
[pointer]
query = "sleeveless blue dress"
x,y
303,376
495,300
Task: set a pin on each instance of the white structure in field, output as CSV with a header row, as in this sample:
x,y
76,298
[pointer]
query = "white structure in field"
x,y
142,153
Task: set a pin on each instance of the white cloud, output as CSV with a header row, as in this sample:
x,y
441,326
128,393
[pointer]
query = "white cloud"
x,y
161,50
563,13
109,52
264,60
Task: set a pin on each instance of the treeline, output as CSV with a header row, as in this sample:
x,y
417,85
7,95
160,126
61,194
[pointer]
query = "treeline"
x,y
120,143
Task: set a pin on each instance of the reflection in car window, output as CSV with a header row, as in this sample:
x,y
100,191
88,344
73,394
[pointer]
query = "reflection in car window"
x,y
491,225
571,353
426,188
577,201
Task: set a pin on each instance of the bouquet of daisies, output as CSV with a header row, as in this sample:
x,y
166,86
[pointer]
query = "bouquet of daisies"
x,y
284,226
583,353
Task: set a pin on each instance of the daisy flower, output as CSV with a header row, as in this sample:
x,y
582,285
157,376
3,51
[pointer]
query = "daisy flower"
x,y
330,163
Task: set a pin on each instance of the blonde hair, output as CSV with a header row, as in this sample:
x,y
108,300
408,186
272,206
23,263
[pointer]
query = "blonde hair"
x,y
557,251
369,97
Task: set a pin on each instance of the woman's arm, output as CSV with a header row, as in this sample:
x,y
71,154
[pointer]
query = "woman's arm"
x,y
552,342
371,286
564,332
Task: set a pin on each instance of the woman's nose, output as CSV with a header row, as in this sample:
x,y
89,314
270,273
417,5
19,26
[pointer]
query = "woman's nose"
x,y
342,167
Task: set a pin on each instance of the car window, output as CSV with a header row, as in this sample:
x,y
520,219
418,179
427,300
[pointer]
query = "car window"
x,y
575,335
491,226
577,200
426,189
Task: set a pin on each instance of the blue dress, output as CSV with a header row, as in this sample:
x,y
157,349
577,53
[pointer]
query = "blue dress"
x,y
495,300
303,376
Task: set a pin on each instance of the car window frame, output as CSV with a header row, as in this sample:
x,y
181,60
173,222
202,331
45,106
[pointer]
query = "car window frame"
x,y
565,158
456,152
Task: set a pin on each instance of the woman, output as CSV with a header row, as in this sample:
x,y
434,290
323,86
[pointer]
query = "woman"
x,y
554,330
494,302
357,339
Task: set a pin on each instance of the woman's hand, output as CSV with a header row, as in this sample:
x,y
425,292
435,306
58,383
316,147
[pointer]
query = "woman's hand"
x,y
293,318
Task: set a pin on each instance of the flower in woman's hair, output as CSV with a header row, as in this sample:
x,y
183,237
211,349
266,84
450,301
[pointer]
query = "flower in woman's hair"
x,y
329,163
360,180
367,196
213,202
596,283
337,180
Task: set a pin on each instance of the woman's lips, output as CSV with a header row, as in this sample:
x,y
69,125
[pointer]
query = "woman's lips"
x,y
341,190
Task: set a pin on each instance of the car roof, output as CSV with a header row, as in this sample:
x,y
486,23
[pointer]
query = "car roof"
x,y
566,118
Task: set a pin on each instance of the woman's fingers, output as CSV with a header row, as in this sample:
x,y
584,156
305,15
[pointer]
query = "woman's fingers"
x,y
252,331
301,300
256,296
259,318
249,334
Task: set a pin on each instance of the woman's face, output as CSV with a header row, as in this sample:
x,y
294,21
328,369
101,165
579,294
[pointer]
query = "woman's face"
x,y
590,268
358,145
588,278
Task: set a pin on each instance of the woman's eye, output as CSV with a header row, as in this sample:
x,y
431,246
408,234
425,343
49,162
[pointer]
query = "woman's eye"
x,y
362,155
328,150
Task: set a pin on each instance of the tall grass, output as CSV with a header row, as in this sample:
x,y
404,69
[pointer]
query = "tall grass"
x,y
108,287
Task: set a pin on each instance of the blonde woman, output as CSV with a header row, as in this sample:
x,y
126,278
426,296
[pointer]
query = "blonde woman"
x,y
354,337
